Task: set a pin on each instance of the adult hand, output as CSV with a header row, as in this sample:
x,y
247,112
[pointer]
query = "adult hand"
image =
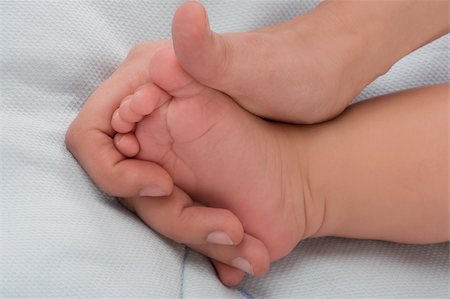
x,y
146,189
90,136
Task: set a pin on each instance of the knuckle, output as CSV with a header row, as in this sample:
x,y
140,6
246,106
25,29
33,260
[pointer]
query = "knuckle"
x,y
104,178
137,50
106,187
109,182
127,203
178,238
71,137
173,230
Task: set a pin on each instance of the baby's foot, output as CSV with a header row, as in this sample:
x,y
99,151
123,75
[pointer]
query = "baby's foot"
x,y
220,154
285,72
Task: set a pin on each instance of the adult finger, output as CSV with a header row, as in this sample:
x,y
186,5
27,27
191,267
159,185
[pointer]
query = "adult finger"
x,y
250,255
214,232
89,137
180,219
228,275
113,172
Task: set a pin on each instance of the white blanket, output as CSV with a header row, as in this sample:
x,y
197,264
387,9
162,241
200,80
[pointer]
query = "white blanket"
x,y
61,236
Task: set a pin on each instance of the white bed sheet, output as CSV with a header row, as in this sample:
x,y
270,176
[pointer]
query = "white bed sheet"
x,y
61,236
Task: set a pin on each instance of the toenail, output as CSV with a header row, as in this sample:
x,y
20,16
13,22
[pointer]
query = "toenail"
x,y
219,237
242,264
118,138
154,191
136,94
116,115
123,103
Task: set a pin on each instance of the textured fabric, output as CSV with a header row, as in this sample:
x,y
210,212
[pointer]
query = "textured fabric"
x,y
61,236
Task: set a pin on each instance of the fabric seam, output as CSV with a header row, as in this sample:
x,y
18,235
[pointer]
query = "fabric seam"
x,y
182,272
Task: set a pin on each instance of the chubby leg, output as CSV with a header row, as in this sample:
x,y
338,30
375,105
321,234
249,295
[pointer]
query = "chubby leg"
x,y
383,168
289,182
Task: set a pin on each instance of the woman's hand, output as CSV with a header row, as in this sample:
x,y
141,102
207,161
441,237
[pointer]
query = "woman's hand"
x,y
90,136
145,188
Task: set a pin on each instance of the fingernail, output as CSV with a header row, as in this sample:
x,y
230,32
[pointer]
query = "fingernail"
x,y
242,264
152,191
219,237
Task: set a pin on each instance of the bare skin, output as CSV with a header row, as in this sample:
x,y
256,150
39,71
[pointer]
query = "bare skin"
x,y
90,136
308,69
383,168
90,140
201,137
297,181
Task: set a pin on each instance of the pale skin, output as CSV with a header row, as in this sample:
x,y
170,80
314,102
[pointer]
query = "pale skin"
x,y
90,140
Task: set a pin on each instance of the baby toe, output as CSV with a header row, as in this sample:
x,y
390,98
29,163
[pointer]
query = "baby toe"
x,y
126,113
119,125
127,144
147,98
